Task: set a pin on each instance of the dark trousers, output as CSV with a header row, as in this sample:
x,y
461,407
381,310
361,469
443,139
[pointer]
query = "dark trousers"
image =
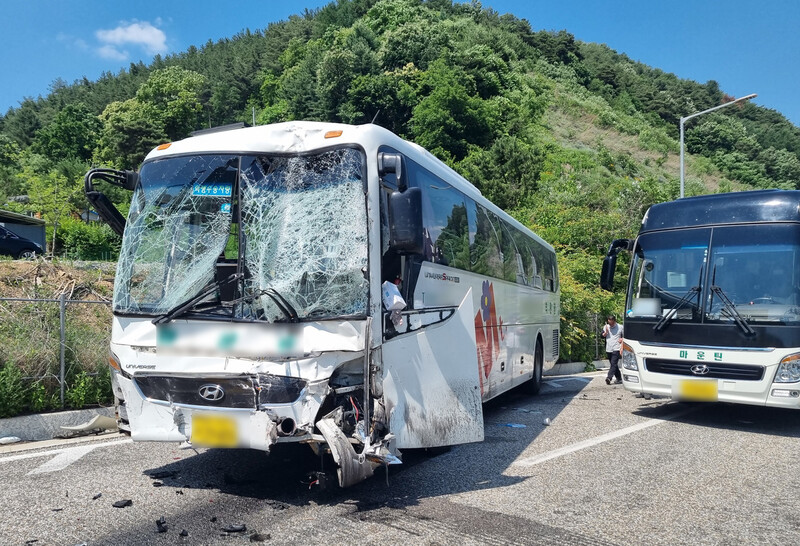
x,y
613,369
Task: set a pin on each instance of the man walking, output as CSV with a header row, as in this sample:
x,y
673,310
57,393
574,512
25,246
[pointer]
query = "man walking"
x,y
613,334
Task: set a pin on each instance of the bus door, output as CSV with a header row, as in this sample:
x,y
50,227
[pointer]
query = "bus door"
x,y
431,385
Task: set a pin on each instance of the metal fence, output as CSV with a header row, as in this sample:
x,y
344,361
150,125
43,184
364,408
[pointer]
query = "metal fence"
x,y
28,337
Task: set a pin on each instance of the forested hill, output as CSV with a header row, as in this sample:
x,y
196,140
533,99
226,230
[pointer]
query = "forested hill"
x,y
572,138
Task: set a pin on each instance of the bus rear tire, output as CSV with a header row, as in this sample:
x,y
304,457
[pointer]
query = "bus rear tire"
x,y
535,382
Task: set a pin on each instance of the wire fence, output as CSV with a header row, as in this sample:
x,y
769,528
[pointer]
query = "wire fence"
x,y
54,340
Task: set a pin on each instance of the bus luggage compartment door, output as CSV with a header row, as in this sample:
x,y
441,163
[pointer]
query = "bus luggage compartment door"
x,y
431,383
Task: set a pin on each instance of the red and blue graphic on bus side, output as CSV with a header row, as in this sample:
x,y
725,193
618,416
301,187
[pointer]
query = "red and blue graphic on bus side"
x,y
489,332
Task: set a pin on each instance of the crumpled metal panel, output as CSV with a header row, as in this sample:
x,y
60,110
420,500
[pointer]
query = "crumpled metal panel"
x,y
431,385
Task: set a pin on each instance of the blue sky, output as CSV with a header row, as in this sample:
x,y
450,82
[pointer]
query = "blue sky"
x,y
747,47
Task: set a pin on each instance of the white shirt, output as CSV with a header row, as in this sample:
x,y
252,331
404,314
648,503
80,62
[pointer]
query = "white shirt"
x,y
613,335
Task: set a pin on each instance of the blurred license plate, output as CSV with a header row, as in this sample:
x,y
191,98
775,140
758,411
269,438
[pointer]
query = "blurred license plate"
x,y
697,389
214,431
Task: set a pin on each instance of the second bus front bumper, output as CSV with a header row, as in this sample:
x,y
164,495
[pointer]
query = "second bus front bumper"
x,y
702,381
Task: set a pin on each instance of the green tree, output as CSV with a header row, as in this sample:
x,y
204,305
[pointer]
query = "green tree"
x,y
449,118
174,94
72,134
130,130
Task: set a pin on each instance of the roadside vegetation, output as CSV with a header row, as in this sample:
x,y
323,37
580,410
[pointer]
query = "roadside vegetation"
x,y
573,139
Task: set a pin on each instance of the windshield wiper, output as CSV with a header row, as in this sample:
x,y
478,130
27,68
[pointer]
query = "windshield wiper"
x,y
666,317
730,308
203,294
280,302
285,307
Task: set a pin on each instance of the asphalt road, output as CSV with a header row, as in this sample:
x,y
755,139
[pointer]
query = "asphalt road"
x,y
608,469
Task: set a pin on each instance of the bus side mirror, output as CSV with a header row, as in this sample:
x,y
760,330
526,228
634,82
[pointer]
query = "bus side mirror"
x,y
405,221
610,262
607,274
390,163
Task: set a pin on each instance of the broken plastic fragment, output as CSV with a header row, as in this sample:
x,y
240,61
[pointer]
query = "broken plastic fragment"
x,y
184,533
97,496
546,421
123,503
9,440
235,528
161,525
515,425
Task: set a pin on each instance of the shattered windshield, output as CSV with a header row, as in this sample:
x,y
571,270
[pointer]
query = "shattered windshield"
x,y
294,226
178,224
725,274
305,234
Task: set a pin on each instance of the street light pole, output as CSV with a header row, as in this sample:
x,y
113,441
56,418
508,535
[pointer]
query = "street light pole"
x,y
690,116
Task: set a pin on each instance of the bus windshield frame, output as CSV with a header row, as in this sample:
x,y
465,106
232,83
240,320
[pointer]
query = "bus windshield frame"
x,y
294,226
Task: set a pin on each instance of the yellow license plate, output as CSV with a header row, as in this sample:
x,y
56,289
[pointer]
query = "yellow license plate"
x,y
697,390
214,431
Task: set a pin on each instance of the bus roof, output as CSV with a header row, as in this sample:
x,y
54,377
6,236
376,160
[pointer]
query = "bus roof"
x,y
745,207
303,136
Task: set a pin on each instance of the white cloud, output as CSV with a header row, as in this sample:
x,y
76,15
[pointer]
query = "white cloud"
x,y
142,34
111,52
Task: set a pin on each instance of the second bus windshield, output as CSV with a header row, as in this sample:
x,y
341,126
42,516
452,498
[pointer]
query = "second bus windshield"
x,y
697,272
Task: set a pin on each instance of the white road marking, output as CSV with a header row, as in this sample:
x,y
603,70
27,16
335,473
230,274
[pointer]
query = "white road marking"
x,y
542,457
63,459
63,456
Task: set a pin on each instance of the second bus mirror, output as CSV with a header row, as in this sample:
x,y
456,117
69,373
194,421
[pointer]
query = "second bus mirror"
x,y
607,274
405,221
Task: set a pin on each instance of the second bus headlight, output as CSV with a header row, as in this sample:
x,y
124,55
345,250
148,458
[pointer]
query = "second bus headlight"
x,y
789,369
629,358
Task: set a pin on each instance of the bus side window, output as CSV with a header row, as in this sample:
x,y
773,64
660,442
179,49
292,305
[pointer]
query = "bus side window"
x,y
487,250
444,216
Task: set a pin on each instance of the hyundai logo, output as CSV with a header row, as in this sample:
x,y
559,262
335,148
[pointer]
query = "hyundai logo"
x,y
700,369
212,393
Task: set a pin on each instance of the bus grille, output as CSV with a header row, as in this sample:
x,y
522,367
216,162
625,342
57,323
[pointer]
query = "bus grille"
x,y
555,343
716,370
238,392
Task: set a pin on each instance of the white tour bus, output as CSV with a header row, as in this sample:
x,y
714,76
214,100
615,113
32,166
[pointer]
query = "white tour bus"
x,y
713,303
320,283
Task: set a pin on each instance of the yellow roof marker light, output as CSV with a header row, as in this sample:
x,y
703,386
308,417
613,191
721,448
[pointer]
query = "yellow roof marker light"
x,y
164,146
333,134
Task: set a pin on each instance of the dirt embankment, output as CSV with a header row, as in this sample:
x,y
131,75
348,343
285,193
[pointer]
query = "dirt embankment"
x,y
41,279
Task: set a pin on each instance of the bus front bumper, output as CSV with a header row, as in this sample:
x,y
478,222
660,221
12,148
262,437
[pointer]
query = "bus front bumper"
x,y
685,388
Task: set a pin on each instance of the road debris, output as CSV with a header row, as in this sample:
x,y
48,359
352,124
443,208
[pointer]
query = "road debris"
x,y
514,425
123,503
235,528
97,496
259,537
9,440
546,422
161,525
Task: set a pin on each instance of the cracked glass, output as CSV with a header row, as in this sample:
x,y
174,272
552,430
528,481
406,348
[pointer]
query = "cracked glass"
x,y
178,225
303,235
305,231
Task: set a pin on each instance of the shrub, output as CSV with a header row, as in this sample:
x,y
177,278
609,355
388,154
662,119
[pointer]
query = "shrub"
x,y
12,391
82,241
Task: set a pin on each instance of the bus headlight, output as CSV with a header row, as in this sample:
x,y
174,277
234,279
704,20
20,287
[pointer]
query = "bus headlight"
x,y
629,358
789,369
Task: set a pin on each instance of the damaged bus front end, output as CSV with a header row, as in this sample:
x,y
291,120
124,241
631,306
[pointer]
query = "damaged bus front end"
x,y
241,301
